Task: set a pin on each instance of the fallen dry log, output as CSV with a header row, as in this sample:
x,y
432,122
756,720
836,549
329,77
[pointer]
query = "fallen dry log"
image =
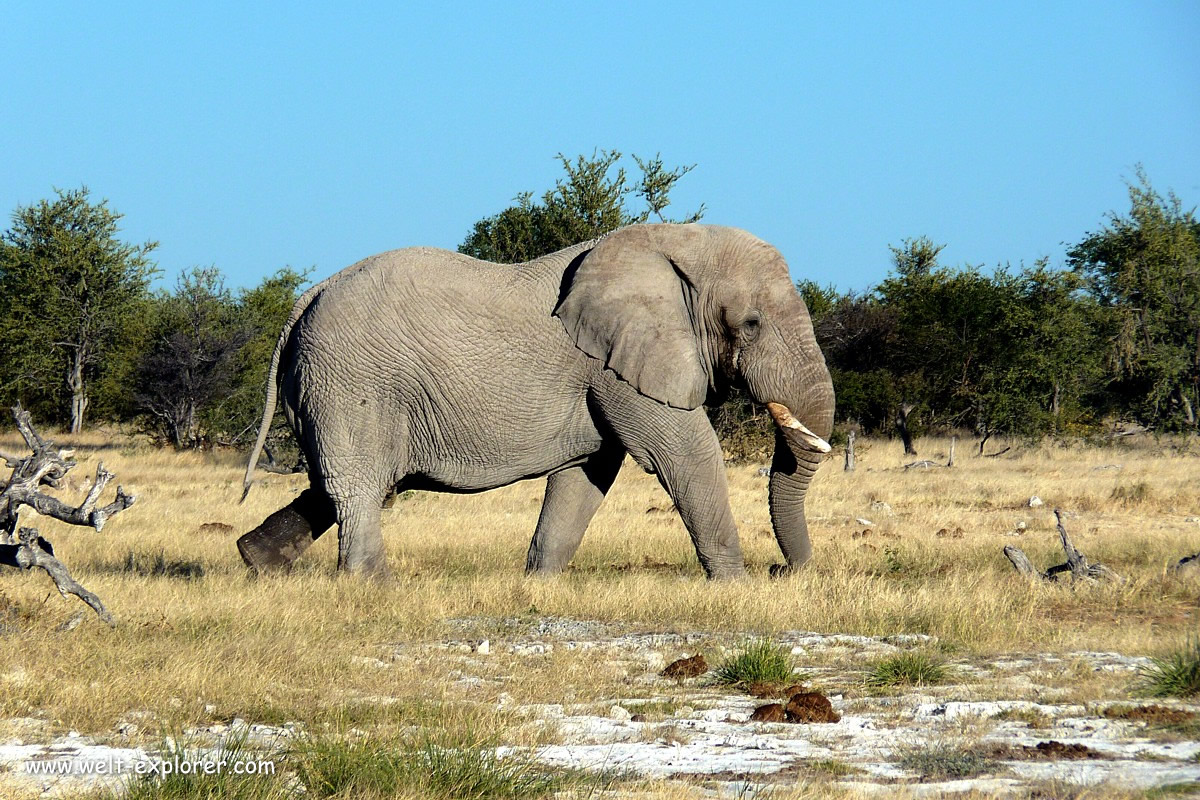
x,y
1077,565
24,548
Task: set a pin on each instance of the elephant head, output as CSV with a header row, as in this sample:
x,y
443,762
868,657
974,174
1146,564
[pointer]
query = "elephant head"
x,y
684,312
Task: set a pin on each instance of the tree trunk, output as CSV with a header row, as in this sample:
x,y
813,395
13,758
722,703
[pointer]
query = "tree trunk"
x,y
902,428
850,452
79,401
950,461
1054,401
1189,413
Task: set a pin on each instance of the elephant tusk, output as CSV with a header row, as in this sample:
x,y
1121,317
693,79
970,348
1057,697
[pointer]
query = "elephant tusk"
x,y
784,419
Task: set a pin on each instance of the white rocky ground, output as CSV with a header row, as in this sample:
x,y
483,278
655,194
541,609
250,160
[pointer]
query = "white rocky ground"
x,y
696,732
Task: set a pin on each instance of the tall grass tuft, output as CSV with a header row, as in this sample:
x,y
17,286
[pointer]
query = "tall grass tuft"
x,y
760,660
1175,675
907,669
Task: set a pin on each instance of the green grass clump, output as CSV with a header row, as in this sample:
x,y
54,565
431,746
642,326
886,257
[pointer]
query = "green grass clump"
x,y
760,660
1175,675
428,765
943,759
907,669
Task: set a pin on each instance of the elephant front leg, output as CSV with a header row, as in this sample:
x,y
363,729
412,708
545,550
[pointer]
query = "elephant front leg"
x,y
695,479
572,497
682,449
286,534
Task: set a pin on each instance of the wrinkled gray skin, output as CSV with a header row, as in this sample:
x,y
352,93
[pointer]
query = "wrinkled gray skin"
x,y
427,369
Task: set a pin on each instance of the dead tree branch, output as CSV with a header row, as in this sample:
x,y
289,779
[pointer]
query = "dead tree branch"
x,y
24,548
29,554
1077,565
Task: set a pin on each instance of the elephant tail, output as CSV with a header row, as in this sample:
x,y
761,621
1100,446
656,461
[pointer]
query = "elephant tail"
x,y
273,383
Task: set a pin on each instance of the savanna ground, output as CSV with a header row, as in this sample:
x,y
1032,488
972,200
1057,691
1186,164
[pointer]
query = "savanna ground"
x,y
325,659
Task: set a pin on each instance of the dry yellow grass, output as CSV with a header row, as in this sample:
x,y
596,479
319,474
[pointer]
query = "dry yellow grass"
x,y
196,633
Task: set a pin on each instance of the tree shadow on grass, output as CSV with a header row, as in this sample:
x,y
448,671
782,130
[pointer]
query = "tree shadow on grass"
x,y
157,565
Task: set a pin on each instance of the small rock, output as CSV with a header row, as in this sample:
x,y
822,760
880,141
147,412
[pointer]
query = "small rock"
x,y
810,707
771,712
655,662
128,729
484,647
881,507
864,521
1035,501
209,708
686,667
619,713
214,529
862,534
764,471
1192,519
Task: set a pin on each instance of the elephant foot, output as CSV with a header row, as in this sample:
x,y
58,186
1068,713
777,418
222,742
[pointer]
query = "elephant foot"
x,y
285,535
727,574
375,570
784,570
261,554
544,571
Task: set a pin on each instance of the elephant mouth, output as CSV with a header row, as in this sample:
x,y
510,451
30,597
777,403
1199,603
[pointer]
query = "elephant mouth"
x,y
799,433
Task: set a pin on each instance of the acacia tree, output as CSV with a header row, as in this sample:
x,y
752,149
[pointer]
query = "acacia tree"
x,y
590,200
201,379
190,365
1144,270
69,288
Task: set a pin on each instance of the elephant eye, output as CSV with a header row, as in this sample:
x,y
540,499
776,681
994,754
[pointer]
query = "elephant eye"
x,y
750,327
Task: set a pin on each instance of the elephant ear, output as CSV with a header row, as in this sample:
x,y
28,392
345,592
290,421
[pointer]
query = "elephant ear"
x,y
628,305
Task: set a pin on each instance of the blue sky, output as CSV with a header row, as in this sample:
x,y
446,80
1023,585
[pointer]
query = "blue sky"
x,y
251,136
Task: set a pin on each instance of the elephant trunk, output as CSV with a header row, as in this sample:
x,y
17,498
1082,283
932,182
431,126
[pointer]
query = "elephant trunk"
x,y
798,453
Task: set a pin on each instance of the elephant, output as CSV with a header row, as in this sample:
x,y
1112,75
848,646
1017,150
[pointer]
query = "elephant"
x,y
426,369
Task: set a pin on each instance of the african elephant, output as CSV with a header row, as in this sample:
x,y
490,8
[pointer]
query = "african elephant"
x,y
426,369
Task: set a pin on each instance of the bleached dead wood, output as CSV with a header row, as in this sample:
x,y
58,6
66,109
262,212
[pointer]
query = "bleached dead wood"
x,y
48,465
1077,565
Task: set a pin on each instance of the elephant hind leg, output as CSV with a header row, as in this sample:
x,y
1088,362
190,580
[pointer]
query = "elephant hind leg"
x,y
286,534
572,497
360,537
